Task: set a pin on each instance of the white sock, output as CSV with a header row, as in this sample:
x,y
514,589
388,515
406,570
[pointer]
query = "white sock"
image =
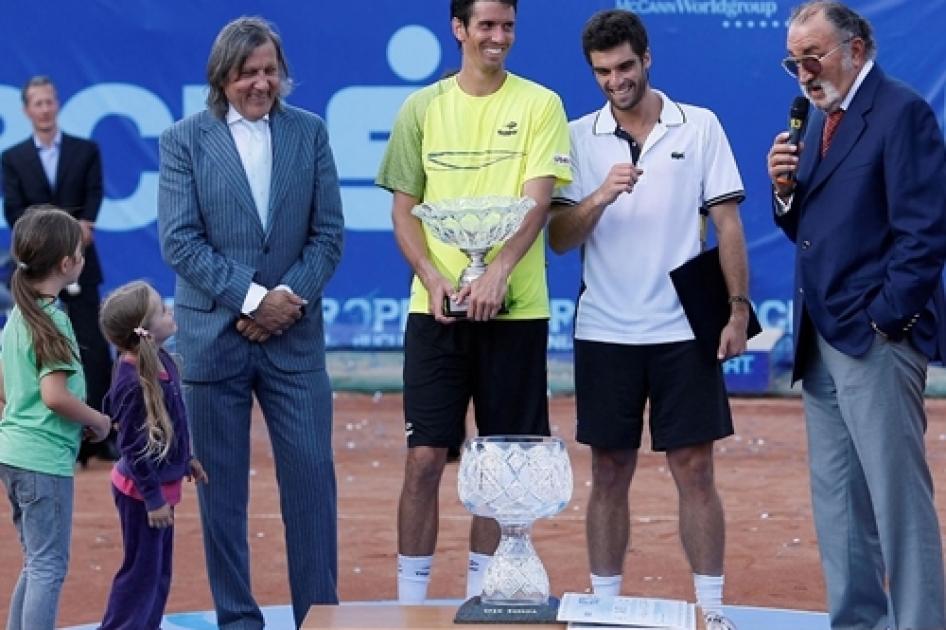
x,y
413,576
609,585
475,574
709,592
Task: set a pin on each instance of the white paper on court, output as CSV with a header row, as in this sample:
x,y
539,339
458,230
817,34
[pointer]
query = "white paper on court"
x,y
584,611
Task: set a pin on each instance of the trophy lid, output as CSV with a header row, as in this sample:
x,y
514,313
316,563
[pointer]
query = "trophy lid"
x,y
474,222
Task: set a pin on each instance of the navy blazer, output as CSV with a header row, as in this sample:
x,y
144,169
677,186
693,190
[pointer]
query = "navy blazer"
x,y
79,188
212,236
869,224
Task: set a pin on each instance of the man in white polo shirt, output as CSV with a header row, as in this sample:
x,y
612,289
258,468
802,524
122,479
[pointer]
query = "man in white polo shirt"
x,y
643,169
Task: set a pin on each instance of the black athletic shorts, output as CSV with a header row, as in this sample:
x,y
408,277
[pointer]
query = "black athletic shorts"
x,y
500,365
613,382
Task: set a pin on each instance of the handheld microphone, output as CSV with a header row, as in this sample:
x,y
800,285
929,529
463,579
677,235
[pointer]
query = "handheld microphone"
x,y
797,117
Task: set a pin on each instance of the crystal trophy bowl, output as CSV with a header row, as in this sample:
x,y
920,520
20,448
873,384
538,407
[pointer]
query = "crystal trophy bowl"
x,y
474,225
515,480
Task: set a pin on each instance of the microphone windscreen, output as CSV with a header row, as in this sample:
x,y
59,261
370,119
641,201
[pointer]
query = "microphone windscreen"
x,y
799,108
797,117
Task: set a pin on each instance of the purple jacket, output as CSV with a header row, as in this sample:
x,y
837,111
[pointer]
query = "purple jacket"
x,y
125,404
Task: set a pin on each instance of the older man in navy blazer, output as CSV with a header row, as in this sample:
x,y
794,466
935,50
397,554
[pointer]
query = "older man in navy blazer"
x,y
866,207
250,219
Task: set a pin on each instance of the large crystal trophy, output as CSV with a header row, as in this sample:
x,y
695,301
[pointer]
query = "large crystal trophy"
x,y
514,479
474,225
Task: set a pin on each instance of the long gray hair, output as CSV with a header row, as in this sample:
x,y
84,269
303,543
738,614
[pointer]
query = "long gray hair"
x,y
234,44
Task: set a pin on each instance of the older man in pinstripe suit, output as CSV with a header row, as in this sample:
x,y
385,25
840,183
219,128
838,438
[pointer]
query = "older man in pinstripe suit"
x,y
250,219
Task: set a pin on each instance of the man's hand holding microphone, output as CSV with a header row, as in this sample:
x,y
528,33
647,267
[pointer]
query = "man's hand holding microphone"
x,y
783,156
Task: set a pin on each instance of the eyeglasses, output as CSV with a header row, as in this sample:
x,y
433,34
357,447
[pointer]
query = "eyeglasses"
x,y
811,63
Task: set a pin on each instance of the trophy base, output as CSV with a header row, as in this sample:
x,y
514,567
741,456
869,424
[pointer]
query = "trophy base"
x,y
474,610
452,308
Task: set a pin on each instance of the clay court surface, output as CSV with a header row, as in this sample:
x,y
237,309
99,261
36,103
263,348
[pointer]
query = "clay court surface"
x,y
771,555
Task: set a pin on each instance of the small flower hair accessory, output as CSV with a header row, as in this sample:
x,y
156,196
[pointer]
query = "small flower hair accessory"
x,y
23,266
142,332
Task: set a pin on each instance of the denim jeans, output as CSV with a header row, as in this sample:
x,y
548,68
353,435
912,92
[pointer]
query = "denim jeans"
x,y
42,515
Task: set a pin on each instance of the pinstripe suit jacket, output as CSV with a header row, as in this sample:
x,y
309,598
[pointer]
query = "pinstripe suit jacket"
x,y
212,236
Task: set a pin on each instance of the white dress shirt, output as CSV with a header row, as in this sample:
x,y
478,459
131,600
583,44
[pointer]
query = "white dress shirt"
x,y
255,145
49,156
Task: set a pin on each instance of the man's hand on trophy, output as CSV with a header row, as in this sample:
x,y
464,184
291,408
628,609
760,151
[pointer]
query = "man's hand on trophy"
x,y
439,292
279,310
485,295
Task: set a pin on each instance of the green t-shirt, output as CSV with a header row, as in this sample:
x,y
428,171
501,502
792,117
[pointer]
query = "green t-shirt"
x,y
32,436
447,144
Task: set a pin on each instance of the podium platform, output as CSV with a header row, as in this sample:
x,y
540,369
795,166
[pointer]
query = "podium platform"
x,y
355,616
358,616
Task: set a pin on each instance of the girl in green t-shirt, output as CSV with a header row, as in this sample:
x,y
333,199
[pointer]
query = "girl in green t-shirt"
x,y
44,413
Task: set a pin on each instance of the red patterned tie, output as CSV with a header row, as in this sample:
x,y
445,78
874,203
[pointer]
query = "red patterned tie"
x,y
830,126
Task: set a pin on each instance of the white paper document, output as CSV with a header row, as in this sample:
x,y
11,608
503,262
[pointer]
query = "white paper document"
x,y
582,610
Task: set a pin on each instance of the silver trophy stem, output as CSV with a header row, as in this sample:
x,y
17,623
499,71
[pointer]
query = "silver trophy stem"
x,y
477,266
471,272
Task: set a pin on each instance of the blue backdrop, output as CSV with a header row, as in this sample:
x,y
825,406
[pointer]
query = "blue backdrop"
x,y
126,69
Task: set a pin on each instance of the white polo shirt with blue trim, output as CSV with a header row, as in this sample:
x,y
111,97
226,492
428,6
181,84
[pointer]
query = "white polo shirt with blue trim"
x,y
688,165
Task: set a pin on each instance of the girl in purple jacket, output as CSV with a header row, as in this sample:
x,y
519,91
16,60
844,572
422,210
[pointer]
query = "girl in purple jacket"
x,y
145,401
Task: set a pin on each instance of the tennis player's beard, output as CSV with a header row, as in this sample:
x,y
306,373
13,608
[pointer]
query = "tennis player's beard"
x,y
640,88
